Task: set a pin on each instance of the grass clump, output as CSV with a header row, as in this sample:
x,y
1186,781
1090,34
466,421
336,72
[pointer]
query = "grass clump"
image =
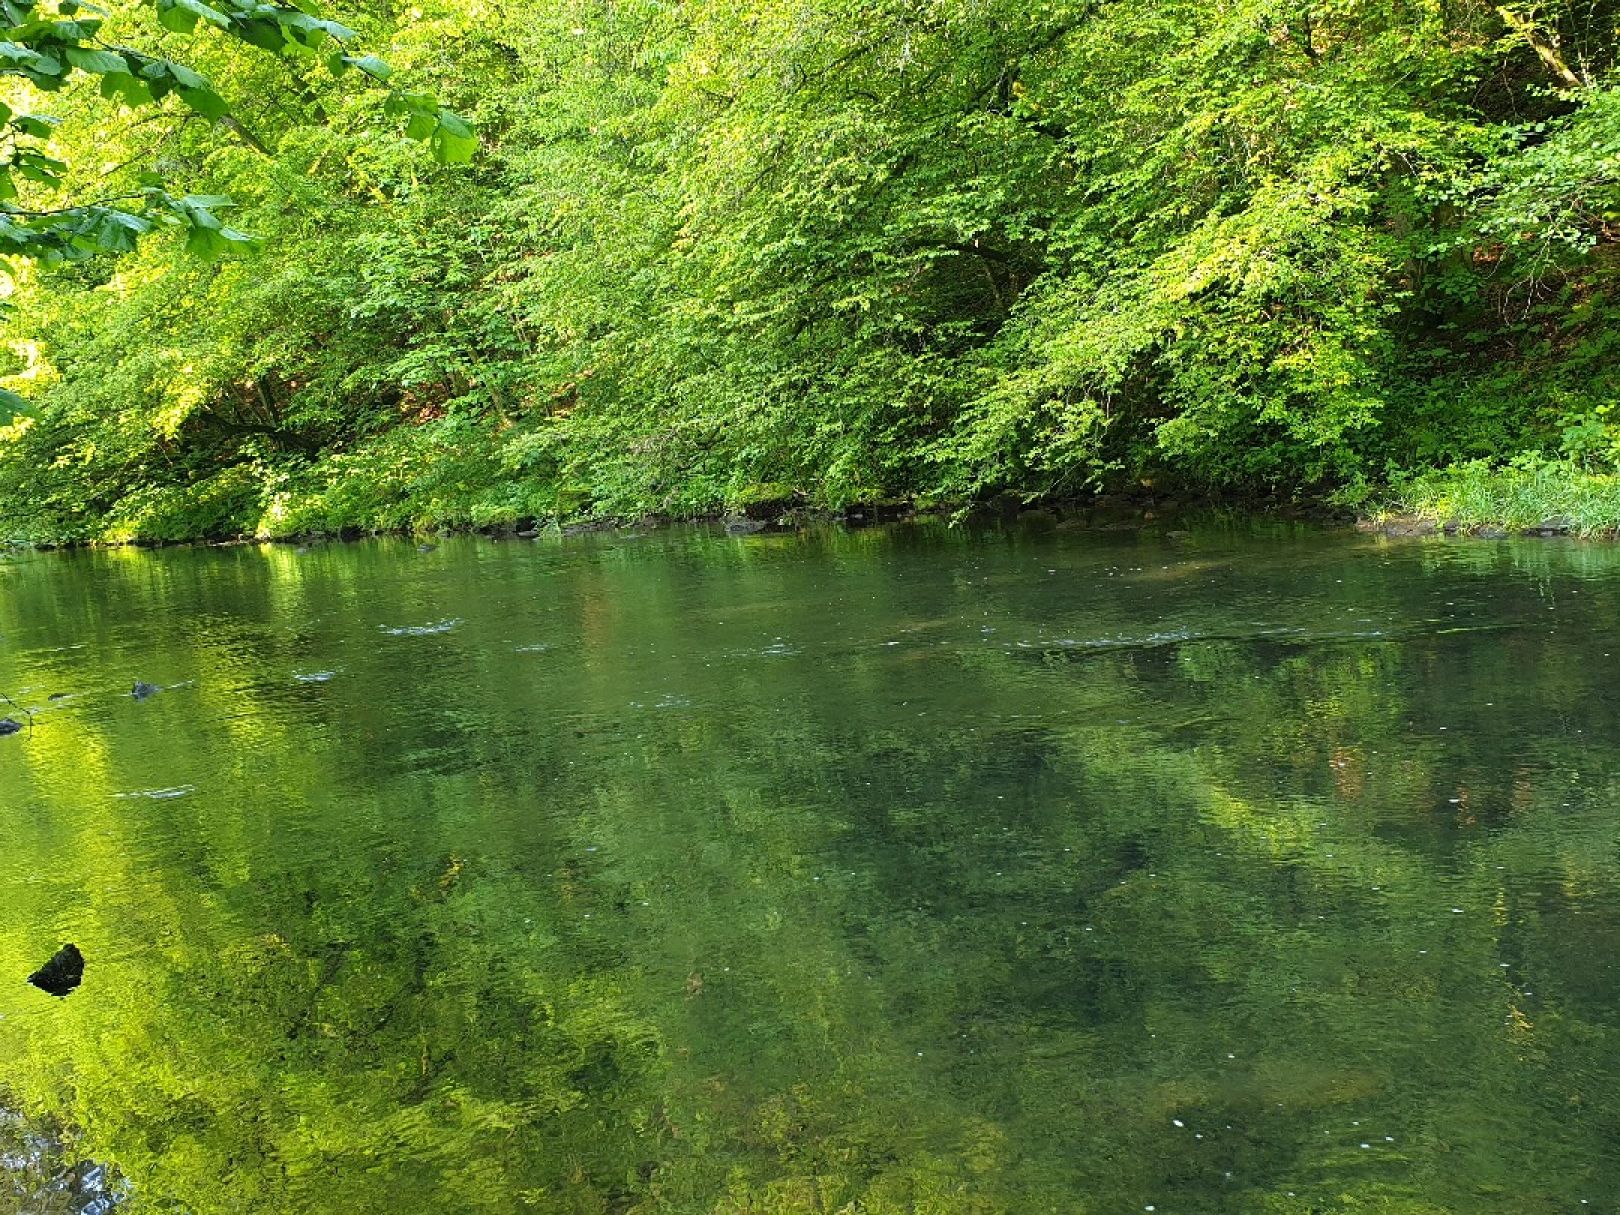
x,y
1531,493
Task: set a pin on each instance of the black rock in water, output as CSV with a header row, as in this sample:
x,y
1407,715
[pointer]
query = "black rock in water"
x,y
62,973
142,690
9,726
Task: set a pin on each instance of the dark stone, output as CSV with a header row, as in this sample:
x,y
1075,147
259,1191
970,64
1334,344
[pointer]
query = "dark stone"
x,y
529,533
594,527
1490,533
772,508
9,726
142,690
62,973
1409,527
739,526
1558,525
1038,519
1449,527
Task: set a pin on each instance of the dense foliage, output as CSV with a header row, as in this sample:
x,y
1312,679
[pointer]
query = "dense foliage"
x,y
715,253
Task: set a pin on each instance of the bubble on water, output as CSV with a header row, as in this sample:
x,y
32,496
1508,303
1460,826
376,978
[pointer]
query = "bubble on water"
x,y
159,795
421,630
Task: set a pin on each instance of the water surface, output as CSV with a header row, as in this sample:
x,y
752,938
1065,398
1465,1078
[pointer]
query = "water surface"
x,y
1253,869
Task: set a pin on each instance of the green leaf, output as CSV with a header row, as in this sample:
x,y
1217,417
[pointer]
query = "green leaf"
x,y
205,102
338,31
452,149
454,142
112,237
266,35
421,126
175,19
32,124
12,407
185,77
455,125
105,63
205,11
371,65
29,59
202,242
133,92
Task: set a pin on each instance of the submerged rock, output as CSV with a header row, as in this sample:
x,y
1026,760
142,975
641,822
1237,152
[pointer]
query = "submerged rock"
x,y
142,689
9,725
62,973
740,526
41,1172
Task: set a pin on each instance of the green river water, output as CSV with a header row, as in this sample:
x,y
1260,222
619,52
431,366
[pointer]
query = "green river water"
x,y
911,870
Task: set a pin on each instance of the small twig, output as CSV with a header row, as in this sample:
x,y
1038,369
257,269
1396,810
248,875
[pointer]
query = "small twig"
x,y
103,202
28,713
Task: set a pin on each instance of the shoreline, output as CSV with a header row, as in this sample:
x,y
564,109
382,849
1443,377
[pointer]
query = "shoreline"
x,y
1064,516
1470,502
1107,512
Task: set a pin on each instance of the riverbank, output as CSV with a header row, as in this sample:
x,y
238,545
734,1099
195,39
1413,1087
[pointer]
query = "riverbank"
x,y
1103,512
1531,497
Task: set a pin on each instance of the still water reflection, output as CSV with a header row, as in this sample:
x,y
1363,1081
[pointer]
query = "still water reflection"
x,y
1254,869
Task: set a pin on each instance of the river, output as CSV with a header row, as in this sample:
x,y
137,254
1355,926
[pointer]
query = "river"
x,y
1246,868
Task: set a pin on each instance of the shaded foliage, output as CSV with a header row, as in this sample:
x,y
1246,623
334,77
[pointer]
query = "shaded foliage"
x,y
934,249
